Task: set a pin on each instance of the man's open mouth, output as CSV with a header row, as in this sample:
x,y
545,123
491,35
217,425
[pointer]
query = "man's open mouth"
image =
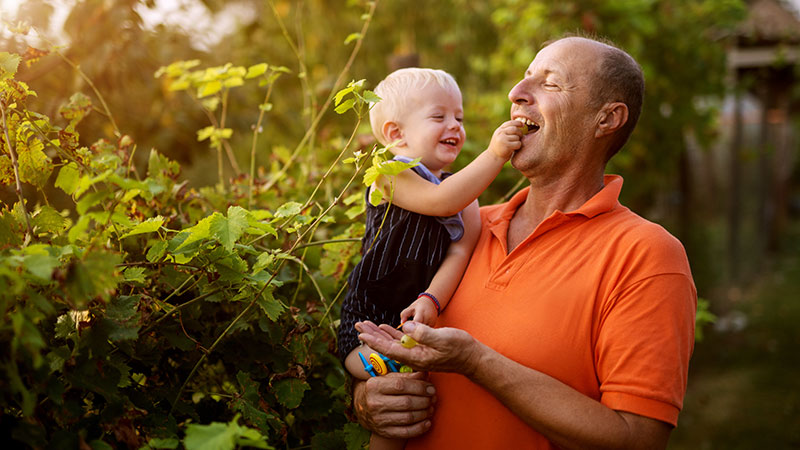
x,y
528,126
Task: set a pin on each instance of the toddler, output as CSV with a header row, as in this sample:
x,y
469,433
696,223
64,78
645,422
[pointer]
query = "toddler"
x,y
419,251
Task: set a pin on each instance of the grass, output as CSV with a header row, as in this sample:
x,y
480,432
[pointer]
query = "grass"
x,y
744,381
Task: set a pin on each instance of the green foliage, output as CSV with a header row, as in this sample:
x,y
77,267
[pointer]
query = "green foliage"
x,y
146,311
703,318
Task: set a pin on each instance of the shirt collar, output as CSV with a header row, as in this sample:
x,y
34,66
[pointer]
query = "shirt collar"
x,y
605,200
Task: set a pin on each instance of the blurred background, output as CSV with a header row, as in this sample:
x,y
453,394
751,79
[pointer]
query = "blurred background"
x,y
714,158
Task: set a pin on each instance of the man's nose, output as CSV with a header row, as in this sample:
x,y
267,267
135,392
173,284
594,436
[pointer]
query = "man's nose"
x,y
519,94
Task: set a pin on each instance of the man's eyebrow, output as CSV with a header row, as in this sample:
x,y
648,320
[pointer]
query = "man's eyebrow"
x,y
545,72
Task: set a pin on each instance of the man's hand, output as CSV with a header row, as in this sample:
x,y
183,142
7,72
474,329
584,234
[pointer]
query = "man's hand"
x,y
438,349
397,405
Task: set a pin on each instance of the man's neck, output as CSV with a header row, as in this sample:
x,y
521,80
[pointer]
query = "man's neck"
x,y
544,198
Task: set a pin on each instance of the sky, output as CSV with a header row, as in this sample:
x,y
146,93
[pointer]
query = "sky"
x,y
192,16
189,15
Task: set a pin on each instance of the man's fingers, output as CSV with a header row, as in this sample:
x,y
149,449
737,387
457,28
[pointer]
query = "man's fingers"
x,y
404,418
406,432
402,384
394,333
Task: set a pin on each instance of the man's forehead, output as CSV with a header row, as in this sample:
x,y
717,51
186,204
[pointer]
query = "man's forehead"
x,y
565,57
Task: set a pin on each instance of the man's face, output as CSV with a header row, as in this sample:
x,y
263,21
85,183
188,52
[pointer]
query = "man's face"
x,y
555,96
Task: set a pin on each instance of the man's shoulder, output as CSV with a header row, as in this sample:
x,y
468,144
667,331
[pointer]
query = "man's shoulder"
x,y
639,237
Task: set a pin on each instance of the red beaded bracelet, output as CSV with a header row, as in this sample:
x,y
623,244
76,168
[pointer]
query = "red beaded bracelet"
x,y
435,301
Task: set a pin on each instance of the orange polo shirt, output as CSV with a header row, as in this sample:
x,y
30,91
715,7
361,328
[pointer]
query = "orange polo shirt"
x,y
598,298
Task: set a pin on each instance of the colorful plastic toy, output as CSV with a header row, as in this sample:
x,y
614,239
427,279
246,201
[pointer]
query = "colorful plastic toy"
x,y
381,365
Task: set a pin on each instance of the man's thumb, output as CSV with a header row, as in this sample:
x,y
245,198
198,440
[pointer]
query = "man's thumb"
x,y
419,331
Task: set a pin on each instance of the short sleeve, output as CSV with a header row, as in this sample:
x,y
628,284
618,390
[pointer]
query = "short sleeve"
x,y
644,342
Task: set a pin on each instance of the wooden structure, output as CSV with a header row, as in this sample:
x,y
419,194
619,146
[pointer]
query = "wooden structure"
x,y
765,61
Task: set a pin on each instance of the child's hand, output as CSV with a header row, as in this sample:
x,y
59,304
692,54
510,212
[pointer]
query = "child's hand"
x,y
422,310
506,139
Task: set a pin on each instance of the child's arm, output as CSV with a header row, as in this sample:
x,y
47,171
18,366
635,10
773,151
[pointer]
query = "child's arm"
x,y
448,276
416,194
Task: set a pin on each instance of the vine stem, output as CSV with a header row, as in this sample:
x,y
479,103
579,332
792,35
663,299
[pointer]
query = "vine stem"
x,y
334,89
91,84
18,182
256,132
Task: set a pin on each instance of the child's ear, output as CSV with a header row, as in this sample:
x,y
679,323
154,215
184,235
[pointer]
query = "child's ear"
x,y
611,118
392,132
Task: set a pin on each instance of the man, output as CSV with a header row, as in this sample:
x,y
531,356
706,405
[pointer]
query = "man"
x,y
574,322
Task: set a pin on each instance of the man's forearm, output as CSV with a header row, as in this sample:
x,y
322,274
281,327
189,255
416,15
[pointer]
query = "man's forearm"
x,y
563,415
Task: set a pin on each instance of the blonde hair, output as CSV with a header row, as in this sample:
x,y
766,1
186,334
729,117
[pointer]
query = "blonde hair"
x,y
395,91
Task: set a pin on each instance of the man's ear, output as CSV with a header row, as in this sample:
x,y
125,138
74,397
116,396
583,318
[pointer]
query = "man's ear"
x,y
392,132
611,118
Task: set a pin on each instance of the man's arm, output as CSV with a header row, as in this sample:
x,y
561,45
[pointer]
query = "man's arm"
x,y
563,415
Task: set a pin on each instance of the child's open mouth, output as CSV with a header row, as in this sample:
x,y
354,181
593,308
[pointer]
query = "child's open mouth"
x,y
451,141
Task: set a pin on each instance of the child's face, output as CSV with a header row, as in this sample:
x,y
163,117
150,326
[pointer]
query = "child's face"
x,y
432,127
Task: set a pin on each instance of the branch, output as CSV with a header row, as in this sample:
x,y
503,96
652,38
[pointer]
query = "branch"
x,y
15,164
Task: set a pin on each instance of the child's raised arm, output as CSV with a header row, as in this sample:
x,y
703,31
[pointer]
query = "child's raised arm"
x,y
416,194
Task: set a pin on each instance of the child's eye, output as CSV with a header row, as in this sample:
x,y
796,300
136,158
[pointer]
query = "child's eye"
x,y
438,117
460,119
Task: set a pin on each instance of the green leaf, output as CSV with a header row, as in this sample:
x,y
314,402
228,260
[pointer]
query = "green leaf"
x,y
233,82
256,70
200,231
371,97
375,197
48,220
355,436
215,436
209,88
339,95
290,391
9,63
345,106
263,261
77,108
271,306
148,226
68,177
156,251
41,265
222,436
227,230
122,313
65,326
288,209
134,274
352,37
169,443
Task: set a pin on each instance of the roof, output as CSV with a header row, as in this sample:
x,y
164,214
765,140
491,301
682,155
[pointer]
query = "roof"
x,y
771,21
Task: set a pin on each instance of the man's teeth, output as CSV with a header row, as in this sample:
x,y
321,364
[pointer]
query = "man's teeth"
x,y
528,126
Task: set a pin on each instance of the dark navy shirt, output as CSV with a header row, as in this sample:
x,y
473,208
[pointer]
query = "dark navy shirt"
x,y
393,270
